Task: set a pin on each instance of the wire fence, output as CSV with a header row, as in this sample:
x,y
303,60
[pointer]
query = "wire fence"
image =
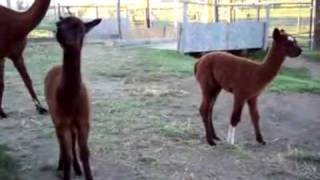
x,y
296,18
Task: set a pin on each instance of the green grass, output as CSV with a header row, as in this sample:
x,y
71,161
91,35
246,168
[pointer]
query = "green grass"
x,y
8,165
295,80
312,55
304,156
290,79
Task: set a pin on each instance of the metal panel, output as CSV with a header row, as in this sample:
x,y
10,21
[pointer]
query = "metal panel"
x,y
199,37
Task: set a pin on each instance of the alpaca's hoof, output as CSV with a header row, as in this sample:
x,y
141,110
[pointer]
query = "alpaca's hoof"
x,y
211,142
3,114
261,141
59,168
77,170
42,110
216,138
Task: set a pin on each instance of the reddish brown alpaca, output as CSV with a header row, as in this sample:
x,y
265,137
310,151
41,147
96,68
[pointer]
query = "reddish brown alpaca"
x,y
14,28
244,78
67,98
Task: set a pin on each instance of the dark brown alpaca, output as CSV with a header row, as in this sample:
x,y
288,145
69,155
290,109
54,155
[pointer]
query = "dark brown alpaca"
x,y
68,99
244,78
14,28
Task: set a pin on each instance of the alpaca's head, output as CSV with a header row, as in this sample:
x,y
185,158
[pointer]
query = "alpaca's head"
x,y
287,43
71,31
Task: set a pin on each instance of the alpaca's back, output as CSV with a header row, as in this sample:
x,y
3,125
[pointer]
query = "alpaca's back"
x,y
229,71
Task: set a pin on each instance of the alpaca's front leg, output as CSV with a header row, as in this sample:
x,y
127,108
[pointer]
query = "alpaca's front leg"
x,y
231,134
235,119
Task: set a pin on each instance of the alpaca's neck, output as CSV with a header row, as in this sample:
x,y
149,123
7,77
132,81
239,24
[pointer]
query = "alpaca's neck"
x,y
71,71
272,63
28,20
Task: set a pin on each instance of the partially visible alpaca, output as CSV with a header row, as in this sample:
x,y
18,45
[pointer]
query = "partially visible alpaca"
x,y
244,78
68,99
14,29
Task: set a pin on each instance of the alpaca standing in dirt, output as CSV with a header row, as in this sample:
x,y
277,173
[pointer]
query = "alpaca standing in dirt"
x,y
14,29
67,97
244,78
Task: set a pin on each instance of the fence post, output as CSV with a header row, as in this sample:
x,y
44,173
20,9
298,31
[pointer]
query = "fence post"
x,y
316,26
59,10
267,25
258,10
216,11
182,27
9,3
185,13
176,18
311,23
210,11
119,18
97,11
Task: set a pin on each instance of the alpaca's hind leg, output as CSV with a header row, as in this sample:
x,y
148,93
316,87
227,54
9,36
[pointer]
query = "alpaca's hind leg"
x,y
83,133
2,62
254,113
76,165
19,64
215,94
204,111
235,118
60,165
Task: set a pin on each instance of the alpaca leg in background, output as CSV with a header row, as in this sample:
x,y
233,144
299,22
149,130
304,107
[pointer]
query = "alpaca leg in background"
x,y
60,164
204,111
254,113
2,65
215,94
20,66
83,134
235,118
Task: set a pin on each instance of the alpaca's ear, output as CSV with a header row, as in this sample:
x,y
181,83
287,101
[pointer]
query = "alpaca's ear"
x,y
276,34
92,24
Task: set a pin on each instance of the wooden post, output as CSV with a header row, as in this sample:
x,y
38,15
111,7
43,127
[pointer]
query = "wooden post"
x,y
230,9
148,21
210,11
97,11
266,38
316,31
185,13
119,18
258,11
176,18
216,10
59,10
182,28
311,23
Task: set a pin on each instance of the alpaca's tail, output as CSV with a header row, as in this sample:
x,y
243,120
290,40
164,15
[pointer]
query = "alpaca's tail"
x,y
195,67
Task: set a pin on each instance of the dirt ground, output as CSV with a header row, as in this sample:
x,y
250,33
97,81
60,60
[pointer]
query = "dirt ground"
x,y
151,129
